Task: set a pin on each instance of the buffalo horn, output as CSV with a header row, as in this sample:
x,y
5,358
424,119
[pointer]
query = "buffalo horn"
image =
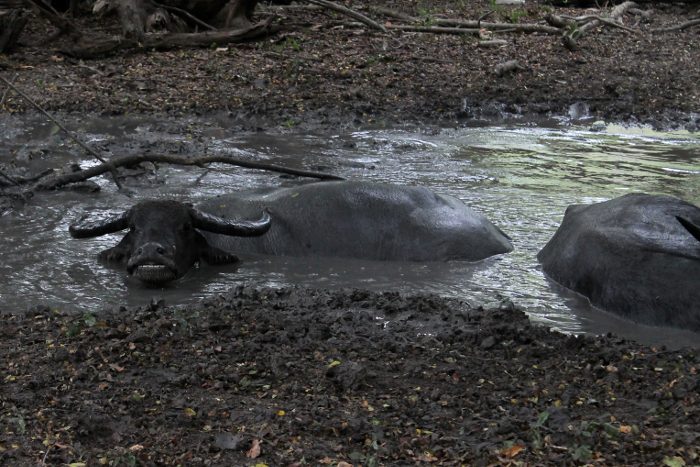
x,y
690,227
82,229
215,224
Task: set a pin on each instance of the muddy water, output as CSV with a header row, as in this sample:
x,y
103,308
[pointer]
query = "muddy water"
x,y
522,177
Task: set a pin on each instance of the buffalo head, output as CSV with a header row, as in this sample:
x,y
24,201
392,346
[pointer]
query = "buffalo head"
x,y
163,241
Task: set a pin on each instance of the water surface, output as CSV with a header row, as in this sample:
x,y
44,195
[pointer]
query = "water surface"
x,y
522,177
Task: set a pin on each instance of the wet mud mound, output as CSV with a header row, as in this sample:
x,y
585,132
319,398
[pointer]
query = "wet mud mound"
x,y
315,377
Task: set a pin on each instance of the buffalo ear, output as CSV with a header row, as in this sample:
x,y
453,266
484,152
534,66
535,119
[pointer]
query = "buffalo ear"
x,y
690,227
212,254
119,252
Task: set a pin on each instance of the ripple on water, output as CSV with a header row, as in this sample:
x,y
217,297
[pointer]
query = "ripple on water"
x,y
522,178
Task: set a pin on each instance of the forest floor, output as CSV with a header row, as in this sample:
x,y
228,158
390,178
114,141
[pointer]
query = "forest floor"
x,y
318,377
322,69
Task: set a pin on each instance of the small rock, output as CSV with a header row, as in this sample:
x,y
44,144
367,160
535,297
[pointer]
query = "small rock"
x,y
227,440
598,125
488,343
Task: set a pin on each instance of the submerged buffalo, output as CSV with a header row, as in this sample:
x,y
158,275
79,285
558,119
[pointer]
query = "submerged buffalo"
x,y
342,219
637,256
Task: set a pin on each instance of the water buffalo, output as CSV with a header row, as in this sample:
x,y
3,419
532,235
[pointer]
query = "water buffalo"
x,y
637,256
342,219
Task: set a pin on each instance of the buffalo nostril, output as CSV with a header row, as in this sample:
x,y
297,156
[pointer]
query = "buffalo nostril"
x,y
160,250
139,251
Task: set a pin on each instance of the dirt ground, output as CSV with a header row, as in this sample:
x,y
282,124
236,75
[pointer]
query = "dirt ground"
x,y
313,377
321,69
318,377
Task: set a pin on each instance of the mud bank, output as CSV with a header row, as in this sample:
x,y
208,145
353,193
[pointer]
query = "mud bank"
x,y
300,376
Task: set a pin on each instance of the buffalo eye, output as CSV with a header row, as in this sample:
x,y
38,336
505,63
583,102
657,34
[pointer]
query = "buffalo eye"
x,y
186,227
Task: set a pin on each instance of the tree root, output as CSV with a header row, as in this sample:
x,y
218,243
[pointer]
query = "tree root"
x,y
12,24
679,27
107,46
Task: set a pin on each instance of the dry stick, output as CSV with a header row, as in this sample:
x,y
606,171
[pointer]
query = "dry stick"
x,y
8,178
607,21
616,13
569,39
186,14
433,29
687,24
478,24
119,161
68,132
525,27
7,90
347,11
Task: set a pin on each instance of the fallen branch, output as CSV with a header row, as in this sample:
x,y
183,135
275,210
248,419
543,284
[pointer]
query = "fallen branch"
x,y
493,43
88,149
8,178
570,39
433,29
19,181
515,27
7,91
607,21
53,182
469,24
615,15
107,46
348,12
679,27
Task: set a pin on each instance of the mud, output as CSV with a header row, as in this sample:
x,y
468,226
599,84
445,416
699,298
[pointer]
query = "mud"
x,y
316,377
311,377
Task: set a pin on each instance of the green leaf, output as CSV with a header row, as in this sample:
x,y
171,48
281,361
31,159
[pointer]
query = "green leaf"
x,y
541,419
89,319
675,461
582,453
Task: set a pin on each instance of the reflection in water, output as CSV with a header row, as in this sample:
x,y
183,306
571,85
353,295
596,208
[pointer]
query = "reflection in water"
x,y
522,178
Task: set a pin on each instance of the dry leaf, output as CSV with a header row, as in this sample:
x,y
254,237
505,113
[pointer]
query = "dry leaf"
x,y
512,451
116,367
254,450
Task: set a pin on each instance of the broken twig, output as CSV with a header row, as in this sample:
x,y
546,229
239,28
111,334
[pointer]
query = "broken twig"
x,y
433,29
348,12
